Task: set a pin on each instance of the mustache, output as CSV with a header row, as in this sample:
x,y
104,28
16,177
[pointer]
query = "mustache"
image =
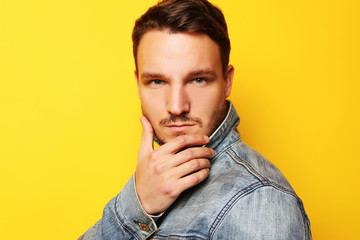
x,y
180,118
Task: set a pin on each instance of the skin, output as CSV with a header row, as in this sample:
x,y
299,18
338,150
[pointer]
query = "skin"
x,y
182,90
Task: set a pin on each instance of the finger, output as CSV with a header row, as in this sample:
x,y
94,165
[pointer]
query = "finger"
x,y
147,139
192,179
183,141
192,153
191,167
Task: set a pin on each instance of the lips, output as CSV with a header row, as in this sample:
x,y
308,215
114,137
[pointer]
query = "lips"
x,y
179,127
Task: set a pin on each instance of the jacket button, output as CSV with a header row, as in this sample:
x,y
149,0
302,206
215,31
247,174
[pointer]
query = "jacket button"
x,y
144,227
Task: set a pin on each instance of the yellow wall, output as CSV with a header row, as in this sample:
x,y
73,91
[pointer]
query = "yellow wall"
x,y
69,128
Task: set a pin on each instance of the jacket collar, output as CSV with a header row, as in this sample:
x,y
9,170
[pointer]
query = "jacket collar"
x,y
229,124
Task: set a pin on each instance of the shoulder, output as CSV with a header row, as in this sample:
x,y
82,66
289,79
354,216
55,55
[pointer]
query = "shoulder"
x,y
262,200
265,213
250,164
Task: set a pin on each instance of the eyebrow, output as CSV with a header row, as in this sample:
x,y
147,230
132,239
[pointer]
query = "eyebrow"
x,y
196,73
207,72
147,75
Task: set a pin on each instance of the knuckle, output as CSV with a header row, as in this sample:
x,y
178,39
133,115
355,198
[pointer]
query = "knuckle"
x,y
195,179
154,156
190,153
159,168
169,190
194,164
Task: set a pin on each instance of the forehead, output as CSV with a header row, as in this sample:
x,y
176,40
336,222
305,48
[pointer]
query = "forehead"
x,y
165,52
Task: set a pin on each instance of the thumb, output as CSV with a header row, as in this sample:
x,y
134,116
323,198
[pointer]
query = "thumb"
x,y
147,139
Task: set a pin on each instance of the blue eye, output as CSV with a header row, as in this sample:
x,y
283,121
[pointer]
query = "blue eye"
x,y
199,81
156,82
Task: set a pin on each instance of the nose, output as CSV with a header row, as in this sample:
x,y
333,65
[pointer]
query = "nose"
x,y
178,101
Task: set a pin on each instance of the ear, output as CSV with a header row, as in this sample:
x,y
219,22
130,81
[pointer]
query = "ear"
x,y
228,79
137,81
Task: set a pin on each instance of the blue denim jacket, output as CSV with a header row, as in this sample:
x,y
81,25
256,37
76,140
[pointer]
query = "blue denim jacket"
x,y
244,197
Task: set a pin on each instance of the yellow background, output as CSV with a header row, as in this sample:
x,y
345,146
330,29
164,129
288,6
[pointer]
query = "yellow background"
x,y
69,123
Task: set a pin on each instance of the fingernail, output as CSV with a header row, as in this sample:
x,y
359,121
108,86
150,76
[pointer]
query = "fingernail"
x,y
206,138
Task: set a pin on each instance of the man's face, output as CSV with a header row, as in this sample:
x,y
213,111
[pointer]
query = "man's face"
x,y
181,85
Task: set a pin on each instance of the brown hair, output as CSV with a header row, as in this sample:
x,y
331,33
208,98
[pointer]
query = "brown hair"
x,y
192,16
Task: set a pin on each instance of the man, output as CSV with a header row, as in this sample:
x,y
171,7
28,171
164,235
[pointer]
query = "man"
x,y
202,182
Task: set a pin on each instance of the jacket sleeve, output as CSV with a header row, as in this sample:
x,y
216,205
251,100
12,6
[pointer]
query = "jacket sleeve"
x,y
266,213
123,218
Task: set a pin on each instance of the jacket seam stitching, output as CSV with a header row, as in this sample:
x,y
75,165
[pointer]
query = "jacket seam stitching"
x,y
231,152
129,230
267,182
179,236
230,204
219,218
122,222
238,139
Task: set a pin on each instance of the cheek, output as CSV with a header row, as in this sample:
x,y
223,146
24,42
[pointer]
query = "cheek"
x,y
208,101
151,106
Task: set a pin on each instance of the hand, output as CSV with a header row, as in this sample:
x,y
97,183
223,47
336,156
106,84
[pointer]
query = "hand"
x,y
163,174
